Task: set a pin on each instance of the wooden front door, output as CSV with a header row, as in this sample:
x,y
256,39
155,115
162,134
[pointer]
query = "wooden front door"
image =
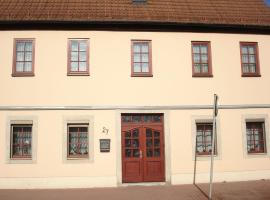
x,y
142,148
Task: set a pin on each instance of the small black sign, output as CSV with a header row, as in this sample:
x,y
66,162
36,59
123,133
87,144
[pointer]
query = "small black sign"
x,y
104,145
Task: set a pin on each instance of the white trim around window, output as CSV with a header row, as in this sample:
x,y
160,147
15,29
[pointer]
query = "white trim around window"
x,y
205,119
78,120
256,118
22,120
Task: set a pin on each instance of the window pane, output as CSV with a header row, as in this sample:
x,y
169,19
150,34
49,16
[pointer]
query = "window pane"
x,y
74,66
204,49
145,48
144,57
251,50
28,46
197,68
82,66
196,58
28,56
204,58
74,45
205,68
137,67
252,68
83,46
136,48
196,49
246,68
137,57
19,66
82,56
20,56
251,58
244,50
245,58
74,56
145,67
28,66
20,46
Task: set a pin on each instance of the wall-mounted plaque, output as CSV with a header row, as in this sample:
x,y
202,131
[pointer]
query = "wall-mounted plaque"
x,y
104,145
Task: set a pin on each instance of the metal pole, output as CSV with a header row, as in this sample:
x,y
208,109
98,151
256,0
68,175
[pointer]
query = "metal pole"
x,y
213,146
195,162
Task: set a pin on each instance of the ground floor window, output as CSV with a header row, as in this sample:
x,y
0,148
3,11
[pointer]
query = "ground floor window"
x,y
204,132
77,138
255,137
21,141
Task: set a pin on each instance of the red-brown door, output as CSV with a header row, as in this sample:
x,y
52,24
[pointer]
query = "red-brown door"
x,y
142,148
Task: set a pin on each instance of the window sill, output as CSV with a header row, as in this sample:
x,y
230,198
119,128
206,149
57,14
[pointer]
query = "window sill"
x,y
202,75
22,74
251,75
78,74
141,75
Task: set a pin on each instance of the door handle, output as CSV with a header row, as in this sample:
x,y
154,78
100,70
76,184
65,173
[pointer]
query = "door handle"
x,y
141,154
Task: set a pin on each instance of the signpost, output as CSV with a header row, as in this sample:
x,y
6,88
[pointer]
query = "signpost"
x,y
215,113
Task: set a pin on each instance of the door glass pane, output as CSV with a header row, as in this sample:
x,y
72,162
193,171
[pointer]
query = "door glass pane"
x,y
136,118
128,143
135,143
128,152
149,152
128,134
148,132
157,152
135,133
149,143
156,142
156,134
157,118
136,153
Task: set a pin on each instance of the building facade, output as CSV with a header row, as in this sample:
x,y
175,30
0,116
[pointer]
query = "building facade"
x,y
92,101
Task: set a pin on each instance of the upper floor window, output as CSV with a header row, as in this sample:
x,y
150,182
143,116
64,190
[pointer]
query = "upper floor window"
x,y
78,57
249,59
24,57
21,141
141,58
255,137
204,139
201,59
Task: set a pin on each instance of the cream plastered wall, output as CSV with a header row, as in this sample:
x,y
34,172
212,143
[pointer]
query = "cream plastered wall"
x,y
51,167
110,82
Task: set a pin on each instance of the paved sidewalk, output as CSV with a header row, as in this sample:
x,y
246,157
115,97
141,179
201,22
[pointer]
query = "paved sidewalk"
x,y
252,190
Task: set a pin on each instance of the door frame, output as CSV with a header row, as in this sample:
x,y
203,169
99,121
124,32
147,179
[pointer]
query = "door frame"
x,y
166,133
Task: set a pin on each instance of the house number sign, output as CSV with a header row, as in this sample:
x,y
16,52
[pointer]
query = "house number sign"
x,y
104,145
